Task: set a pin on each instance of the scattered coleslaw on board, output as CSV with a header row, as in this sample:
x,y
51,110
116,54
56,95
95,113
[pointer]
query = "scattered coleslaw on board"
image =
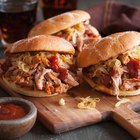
x,y
87,103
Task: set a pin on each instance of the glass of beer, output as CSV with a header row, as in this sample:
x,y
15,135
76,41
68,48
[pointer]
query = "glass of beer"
x,y
54,7
17,17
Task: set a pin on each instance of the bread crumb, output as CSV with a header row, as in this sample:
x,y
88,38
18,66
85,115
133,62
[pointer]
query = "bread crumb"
x,y
55,110
62,102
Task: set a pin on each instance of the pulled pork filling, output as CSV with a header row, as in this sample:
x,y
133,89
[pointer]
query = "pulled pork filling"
x,y
120,73
80,35
49,72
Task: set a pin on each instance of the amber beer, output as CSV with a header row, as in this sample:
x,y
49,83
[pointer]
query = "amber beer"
x,y
16,19
54,7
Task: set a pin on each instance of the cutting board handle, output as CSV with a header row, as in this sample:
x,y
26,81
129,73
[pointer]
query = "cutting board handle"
x,y
128,119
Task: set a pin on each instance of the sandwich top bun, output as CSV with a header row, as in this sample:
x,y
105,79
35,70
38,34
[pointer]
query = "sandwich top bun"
x,y
108,47
41,43
60,22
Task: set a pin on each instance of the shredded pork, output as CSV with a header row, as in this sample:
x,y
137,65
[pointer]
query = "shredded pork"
x,y
49,72
71,81
121,73
80,35
39,77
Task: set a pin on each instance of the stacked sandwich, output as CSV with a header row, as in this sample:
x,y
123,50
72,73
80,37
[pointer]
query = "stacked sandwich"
x,y
73,26
40,66
112,65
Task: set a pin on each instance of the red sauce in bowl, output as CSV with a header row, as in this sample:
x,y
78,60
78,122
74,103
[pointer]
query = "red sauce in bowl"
x,y
11,111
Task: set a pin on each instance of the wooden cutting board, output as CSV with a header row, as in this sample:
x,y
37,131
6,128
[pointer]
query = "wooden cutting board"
x,y
60,119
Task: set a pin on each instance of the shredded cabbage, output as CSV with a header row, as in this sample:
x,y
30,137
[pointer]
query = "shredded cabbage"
x,y
116,88
122,101
119,93
22,66
118,66
87,103
129,93
80,28
135,52
115,64
74,37
73,32
24,60
101,69
66,59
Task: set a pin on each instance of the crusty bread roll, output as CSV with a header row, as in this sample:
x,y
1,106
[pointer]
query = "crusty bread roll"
x,y
108,47
39,66
41,43
60,22
104,49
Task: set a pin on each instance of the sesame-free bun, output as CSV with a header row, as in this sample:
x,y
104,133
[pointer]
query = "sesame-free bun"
x,y
41,43
25,91
106,90
108,47
60,22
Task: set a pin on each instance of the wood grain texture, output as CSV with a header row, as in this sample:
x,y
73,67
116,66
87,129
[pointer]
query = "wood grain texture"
x,y
64,118
128,119
60,118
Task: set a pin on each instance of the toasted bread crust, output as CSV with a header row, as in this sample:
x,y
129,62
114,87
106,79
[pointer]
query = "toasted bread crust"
x,y
108,47
41,43
60,22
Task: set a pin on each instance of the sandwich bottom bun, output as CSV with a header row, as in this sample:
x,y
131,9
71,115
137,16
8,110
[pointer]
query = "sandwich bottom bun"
x,y
26,92
107,90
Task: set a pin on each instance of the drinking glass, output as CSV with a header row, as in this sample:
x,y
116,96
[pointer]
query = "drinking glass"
x,y
17,17
54,7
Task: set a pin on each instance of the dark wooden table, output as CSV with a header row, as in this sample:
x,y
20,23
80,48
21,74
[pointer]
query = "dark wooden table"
x,y
108,130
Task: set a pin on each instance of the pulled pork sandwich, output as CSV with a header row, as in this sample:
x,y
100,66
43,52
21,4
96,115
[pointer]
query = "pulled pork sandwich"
x,y
40,66
73,26
112,64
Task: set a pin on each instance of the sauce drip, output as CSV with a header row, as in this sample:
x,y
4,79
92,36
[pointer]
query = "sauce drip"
x,y
55,66
134,68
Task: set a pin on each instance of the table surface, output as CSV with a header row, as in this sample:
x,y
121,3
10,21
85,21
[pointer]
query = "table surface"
x,y
107,130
